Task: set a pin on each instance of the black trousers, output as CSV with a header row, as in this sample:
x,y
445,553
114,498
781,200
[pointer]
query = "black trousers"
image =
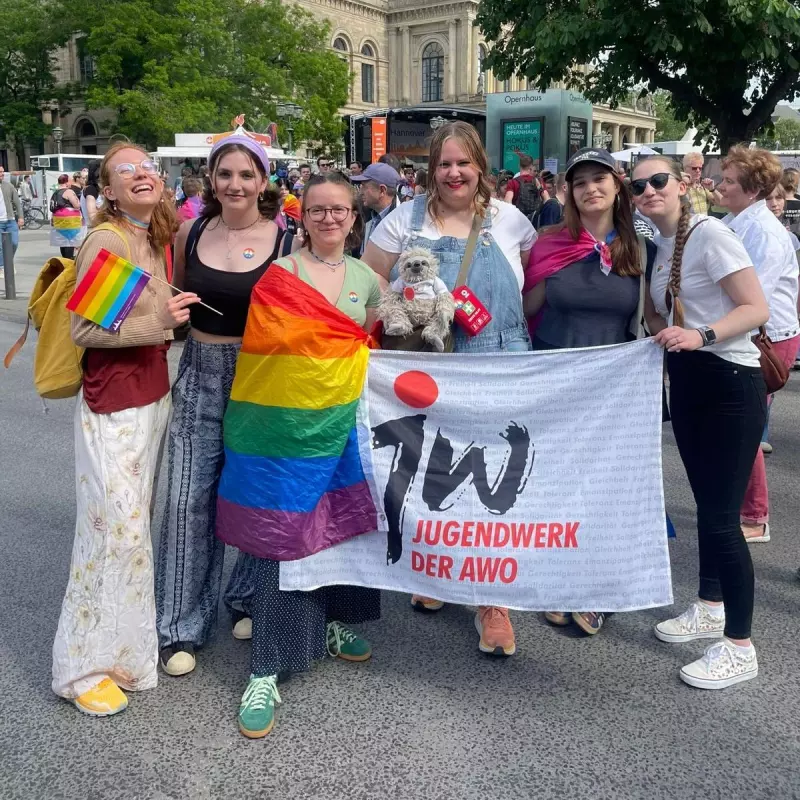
x,y
67,252
718,411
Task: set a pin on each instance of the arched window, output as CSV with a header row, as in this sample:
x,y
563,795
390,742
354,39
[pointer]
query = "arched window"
x,y
86,129
340,45
432,72
367,76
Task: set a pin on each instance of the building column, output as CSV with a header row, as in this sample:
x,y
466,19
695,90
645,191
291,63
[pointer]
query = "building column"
x,y
406,67
452,58
394,58
469,74
597,130
616,140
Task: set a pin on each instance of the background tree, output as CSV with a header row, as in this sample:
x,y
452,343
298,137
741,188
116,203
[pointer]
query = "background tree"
x,y
726,63
784,135
668,128
193,65
29,35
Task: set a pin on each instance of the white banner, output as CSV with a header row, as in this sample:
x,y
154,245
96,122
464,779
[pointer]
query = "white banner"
x,y
527,480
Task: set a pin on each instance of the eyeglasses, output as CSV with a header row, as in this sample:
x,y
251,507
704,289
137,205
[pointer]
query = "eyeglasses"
x,y
325,165
129,170
657,181
318,213
696,169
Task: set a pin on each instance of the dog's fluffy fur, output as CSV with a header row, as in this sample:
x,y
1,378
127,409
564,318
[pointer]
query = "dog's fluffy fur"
x,y
417,267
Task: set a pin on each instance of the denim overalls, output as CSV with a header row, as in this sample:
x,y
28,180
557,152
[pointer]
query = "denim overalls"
x,y
490,277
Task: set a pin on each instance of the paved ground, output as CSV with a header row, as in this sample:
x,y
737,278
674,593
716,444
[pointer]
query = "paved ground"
x,y
429,717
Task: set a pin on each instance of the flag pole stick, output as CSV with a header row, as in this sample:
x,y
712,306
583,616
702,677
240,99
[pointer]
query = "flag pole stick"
x,y
210,308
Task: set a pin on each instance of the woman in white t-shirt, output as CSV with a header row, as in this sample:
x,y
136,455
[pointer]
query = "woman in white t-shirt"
x,y
704,293
458,193
748,178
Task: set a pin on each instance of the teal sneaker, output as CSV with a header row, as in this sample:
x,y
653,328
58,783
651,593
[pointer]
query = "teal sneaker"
x,y
345,644
257,711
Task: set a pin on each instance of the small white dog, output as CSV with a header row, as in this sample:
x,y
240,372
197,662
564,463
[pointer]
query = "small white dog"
x,y
417,298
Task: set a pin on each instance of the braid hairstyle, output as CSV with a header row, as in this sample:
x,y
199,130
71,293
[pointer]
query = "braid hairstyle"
x,y
674,283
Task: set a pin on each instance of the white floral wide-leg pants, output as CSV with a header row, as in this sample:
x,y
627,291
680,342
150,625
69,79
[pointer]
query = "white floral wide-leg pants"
x,y
107,627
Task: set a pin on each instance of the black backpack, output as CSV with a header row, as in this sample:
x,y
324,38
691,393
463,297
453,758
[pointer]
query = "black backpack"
x,y
529,199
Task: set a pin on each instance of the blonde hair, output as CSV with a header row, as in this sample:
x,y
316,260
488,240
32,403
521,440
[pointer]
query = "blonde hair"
x,y
693,158
469,140
759,170
163,223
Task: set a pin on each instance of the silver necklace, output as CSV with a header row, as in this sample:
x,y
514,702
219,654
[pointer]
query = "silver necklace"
x,y
331,265
229,231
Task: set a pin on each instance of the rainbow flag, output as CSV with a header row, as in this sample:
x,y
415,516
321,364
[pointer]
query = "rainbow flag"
x,y
68,223
108,291
293,481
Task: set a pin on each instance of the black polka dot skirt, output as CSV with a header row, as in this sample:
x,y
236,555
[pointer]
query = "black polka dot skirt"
x,y
289,627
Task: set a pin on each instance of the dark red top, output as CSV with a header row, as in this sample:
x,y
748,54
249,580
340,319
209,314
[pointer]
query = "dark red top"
x,y
118,378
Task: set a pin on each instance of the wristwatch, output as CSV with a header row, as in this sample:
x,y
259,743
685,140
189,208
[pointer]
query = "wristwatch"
x,y
708,335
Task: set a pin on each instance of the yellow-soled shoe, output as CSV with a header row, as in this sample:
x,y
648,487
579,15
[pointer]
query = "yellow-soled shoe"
x,y
102,700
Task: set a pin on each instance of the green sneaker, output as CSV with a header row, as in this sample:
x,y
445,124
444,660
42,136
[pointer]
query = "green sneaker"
x,y
346,644
257,711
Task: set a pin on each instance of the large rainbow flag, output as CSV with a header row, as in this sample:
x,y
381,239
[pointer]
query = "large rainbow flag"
x,y
68,225
293,481
109,290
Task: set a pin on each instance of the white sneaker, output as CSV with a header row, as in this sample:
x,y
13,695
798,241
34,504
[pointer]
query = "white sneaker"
x,y
764,537
723,665
697,622
243,629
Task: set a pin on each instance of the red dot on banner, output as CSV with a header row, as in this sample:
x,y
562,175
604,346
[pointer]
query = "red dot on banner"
x,y
416,389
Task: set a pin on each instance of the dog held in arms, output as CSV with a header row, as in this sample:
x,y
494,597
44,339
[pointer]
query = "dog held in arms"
x,y
418,298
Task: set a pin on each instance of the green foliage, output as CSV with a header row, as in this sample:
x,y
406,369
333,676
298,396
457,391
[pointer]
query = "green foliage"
x,y
668,129
30,34
783,135
170,66
726,63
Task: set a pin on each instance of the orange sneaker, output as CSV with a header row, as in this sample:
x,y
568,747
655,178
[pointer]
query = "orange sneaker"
x,y
102,700
425,604
497,635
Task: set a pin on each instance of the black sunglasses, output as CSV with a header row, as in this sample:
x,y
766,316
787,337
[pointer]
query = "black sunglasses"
x,y
657,181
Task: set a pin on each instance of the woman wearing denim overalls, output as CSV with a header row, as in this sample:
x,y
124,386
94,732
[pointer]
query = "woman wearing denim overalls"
x,y
440,221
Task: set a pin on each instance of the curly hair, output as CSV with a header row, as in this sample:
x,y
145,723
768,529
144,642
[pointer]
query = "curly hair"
x,y
356,235
759,170
269,203
163,223
470,142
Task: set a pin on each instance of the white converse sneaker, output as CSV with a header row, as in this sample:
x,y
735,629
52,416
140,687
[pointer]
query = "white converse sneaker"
x,y
697,622
243,629
723,665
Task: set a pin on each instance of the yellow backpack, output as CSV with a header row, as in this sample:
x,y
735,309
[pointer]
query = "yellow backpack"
x,y
57,364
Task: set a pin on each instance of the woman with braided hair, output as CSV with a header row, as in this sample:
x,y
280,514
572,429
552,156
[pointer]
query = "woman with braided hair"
x,y
704,300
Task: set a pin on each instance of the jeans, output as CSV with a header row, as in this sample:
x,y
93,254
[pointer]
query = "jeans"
x,y
718,410
755,507
9,226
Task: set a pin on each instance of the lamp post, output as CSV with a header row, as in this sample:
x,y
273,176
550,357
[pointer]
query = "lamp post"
x,y
58,135
290,112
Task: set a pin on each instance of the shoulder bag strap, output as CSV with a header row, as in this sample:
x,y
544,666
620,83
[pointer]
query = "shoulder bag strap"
x,y
295,268
197,228
468,252
637,322
107,226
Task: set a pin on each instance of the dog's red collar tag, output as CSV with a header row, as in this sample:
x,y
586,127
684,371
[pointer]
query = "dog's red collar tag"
x,y
409,293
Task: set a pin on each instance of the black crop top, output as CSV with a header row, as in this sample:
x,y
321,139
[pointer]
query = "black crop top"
x,y
228,292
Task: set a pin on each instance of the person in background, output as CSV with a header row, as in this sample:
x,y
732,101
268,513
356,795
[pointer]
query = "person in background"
x,y
526,191
501,185
705,299
12,217
106,639
701,193
192,204
77,183
392,160
91,193
789,181
356,169
584,302
441,221
290,206
553,209
776,203
749,176
378,192
421,182
65,203
324,165
408,175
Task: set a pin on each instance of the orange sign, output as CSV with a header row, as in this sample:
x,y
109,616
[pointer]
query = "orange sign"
x,y
378,138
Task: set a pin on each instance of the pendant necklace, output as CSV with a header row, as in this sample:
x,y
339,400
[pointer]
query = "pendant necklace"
x,y
248,253
331,265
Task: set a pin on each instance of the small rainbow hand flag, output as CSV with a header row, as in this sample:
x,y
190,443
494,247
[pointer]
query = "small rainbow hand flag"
x,y
108,291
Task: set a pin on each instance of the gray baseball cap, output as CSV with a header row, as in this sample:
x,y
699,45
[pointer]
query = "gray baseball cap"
x,y
382,174
594,156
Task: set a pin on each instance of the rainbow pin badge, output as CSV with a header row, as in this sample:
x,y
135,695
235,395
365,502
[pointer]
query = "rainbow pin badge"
x,y
353,297
249,253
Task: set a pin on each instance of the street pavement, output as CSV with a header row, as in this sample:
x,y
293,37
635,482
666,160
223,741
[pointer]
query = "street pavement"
x,y
429,717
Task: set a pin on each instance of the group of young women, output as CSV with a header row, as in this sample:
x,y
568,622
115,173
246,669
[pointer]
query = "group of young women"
x,y
589,281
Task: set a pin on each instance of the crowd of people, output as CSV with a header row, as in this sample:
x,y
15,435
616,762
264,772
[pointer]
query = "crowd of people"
x,y
563,264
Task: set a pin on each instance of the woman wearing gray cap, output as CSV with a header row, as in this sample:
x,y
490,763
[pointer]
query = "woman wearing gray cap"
x,y
219,256
585,282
